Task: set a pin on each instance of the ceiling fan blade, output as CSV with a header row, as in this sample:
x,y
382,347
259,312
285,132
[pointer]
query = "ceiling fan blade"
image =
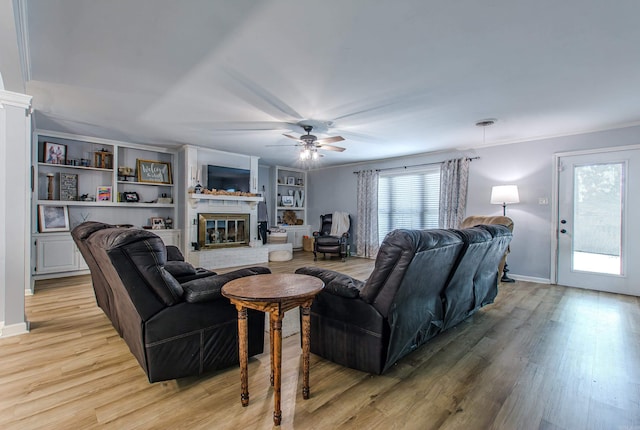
x,y
332,148
330,140
282,146
292,137
241,125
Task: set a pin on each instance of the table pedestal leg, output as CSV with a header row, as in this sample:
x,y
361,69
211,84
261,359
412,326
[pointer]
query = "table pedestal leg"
x,y
276,362
306,338
271,347
243,348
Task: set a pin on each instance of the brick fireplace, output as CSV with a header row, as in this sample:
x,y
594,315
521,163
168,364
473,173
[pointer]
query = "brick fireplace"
x,y
223,230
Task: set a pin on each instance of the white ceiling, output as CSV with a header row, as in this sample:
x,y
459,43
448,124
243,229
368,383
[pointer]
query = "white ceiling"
x,y
394,77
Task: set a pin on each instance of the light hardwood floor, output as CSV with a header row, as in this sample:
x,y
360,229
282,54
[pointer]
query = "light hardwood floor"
x,y
541,357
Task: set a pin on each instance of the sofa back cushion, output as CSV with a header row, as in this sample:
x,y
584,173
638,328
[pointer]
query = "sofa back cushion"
x,y
426,250
138,256
459,296
486,279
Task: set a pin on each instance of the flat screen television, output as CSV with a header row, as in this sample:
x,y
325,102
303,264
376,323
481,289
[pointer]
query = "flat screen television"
x,y
228,178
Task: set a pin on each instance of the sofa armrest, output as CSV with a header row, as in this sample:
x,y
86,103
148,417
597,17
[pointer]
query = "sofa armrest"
x,y
205,289
179,268
174,253
335,283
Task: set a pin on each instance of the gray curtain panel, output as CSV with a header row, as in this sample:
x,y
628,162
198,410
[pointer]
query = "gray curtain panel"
x,y
454,178
367,224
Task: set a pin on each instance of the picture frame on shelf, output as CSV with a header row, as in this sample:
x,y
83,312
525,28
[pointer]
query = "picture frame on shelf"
x,y
287,201
52,218
157,223
68,187
291,180
103,193
154,172
55,153
130,197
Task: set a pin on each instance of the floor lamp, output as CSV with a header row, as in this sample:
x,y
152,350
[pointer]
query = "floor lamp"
x,y
505,195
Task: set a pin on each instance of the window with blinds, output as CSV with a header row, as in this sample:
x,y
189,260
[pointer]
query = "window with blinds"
x,y
408,200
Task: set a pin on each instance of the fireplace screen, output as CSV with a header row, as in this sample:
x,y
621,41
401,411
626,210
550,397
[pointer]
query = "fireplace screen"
x,y
221,230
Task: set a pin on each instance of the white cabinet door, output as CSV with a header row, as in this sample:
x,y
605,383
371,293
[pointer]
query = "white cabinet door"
x,y
295,234
56,253
169,237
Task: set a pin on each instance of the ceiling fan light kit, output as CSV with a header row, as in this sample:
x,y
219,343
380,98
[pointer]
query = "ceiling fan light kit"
x,y
310,144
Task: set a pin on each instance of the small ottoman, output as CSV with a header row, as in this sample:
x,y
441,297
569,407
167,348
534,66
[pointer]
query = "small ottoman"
x,y
280,251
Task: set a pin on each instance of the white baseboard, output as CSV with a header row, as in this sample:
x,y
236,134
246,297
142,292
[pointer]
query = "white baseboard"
x,y
530,279
13,329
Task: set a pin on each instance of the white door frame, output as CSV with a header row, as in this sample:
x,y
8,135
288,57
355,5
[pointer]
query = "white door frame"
x,y
555,195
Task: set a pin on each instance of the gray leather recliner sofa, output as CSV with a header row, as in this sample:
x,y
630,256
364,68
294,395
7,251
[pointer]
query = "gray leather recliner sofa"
x,y
423,282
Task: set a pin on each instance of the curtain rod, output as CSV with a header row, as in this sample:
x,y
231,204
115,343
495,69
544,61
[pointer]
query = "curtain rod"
x,y
415,165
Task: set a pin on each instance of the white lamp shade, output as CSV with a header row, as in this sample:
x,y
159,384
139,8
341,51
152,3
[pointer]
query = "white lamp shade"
x,y
504,194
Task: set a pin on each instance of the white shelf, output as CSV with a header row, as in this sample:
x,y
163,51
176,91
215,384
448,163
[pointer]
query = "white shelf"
x,y
143,205
67,166
291,208
292,186
104,204
144,183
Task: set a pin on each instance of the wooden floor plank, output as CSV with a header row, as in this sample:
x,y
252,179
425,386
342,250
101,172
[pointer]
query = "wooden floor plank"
x,y
540,357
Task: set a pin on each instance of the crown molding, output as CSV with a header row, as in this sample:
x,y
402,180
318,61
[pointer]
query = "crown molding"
x,y
15,99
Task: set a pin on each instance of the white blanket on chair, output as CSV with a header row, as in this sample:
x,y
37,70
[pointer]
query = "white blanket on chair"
x,y
339,223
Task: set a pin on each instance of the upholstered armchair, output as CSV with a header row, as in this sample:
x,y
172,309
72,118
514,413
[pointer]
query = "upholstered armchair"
x,y
333,236
474,220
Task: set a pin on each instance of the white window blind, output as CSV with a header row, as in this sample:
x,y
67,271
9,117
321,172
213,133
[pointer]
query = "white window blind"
x,y
408,200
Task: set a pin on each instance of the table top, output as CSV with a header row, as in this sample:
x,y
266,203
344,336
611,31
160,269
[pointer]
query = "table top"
x,y
272,286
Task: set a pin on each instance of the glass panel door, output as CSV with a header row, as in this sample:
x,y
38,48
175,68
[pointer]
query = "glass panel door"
x,y
598,218
596,228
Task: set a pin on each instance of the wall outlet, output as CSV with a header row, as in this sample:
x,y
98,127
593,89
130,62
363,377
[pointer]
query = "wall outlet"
x,y
543,201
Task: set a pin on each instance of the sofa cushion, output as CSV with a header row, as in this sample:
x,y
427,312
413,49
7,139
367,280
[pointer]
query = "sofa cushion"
x,y
334,282
148,254
397,253
180,268
205,289
174,253
202,289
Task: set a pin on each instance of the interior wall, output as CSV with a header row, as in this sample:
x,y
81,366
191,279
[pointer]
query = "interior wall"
x,y
527,164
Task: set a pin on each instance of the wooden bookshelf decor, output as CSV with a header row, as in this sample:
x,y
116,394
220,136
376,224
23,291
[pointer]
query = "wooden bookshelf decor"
x,y
103,159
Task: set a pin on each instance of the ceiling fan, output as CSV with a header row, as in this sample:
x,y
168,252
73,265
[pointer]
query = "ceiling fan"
x,y
310,144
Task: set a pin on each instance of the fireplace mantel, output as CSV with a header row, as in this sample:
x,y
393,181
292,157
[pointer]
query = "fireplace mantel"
x,y
194,199
222,197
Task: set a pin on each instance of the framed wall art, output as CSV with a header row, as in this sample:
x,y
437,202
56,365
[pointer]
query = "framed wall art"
x,y
55,153
68,186
157,172
53,218
157,223
103,194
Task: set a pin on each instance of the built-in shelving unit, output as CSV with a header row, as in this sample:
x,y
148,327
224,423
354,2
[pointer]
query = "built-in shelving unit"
x,y
290,184
81,174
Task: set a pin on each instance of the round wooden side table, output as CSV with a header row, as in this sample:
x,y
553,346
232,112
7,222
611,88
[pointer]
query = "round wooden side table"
x,y
275,293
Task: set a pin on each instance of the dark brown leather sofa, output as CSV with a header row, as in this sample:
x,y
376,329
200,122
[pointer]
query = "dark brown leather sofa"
x,y
173,329
175,265
423,282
